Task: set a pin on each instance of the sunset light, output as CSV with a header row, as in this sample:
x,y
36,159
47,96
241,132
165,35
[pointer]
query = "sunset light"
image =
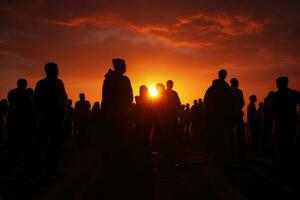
x,y
153,92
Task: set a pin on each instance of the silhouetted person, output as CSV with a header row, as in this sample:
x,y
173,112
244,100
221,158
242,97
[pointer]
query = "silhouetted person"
x,y
218,113
81,119
50,101
173,102
3,113
117,99
253,121
268,121
96,124
194,118
238,122
69,121
17,121
187,120
285,102
143,165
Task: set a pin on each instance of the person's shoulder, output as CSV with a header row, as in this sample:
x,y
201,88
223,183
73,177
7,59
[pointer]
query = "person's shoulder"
x,y
125,78
44,80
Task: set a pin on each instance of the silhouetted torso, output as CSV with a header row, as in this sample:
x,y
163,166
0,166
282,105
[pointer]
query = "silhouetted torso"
x,y
50,99
82,111
116,95
285,105
173,104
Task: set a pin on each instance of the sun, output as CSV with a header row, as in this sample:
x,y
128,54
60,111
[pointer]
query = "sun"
x,y
153,92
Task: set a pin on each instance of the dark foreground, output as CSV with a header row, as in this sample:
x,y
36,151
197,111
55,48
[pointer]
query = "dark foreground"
x,y
195,178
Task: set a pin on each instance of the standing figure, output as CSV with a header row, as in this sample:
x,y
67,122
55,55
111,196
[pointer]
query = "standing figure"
x,y
81,119
285,103
18,124
50,100
238,122
253,121
218,114
117,99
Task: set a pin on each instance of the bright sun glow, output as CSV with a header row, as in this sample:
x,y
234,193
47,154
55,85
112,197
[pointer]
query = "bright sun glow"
x,y
153,92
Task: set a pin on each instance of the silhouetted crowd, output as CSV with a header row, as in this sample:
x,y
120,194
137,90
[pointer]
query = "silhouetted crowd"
x,y
151,133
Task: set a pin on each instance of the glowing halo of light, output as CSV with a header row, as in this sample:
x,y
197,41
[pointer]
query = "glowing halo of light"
x,y
153,92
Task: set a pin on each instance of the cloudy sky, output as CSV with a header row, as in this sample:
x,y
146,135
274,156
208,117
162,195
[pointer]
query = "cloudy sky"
x,y
186,41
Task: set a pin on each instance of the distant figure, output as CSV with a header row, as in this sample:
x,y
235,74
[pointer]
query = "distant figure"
x,y
96,124
69,121
50,100
18,121
218,114
117,99
268,121
194,118
253,121
81,119
187,120
285,103
238,122
3,114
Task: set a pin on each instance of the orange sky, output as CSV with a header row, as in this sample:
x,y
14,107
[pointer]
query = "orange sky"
x,y
186,41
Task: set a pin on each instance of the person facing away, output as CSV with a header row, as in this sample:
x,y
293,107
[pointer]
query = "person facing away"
x,y
18,120
218,115
81,118
194,117
173,101
238,122
285,103
253,121
50,100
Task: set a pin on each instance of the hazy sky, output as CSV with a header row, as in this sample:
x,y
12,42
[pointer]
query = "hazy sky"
x,y
186,41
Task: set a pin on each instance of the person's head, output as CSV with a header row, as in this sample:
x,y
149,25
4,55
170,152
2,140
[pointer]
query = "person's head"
x,y
253,98
187,106
234,82
222,74
119,65
51,70
96,105
82,96
282,82
182,107
200,101
69,102
195,102
169,84
143,90
160,88
22,83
